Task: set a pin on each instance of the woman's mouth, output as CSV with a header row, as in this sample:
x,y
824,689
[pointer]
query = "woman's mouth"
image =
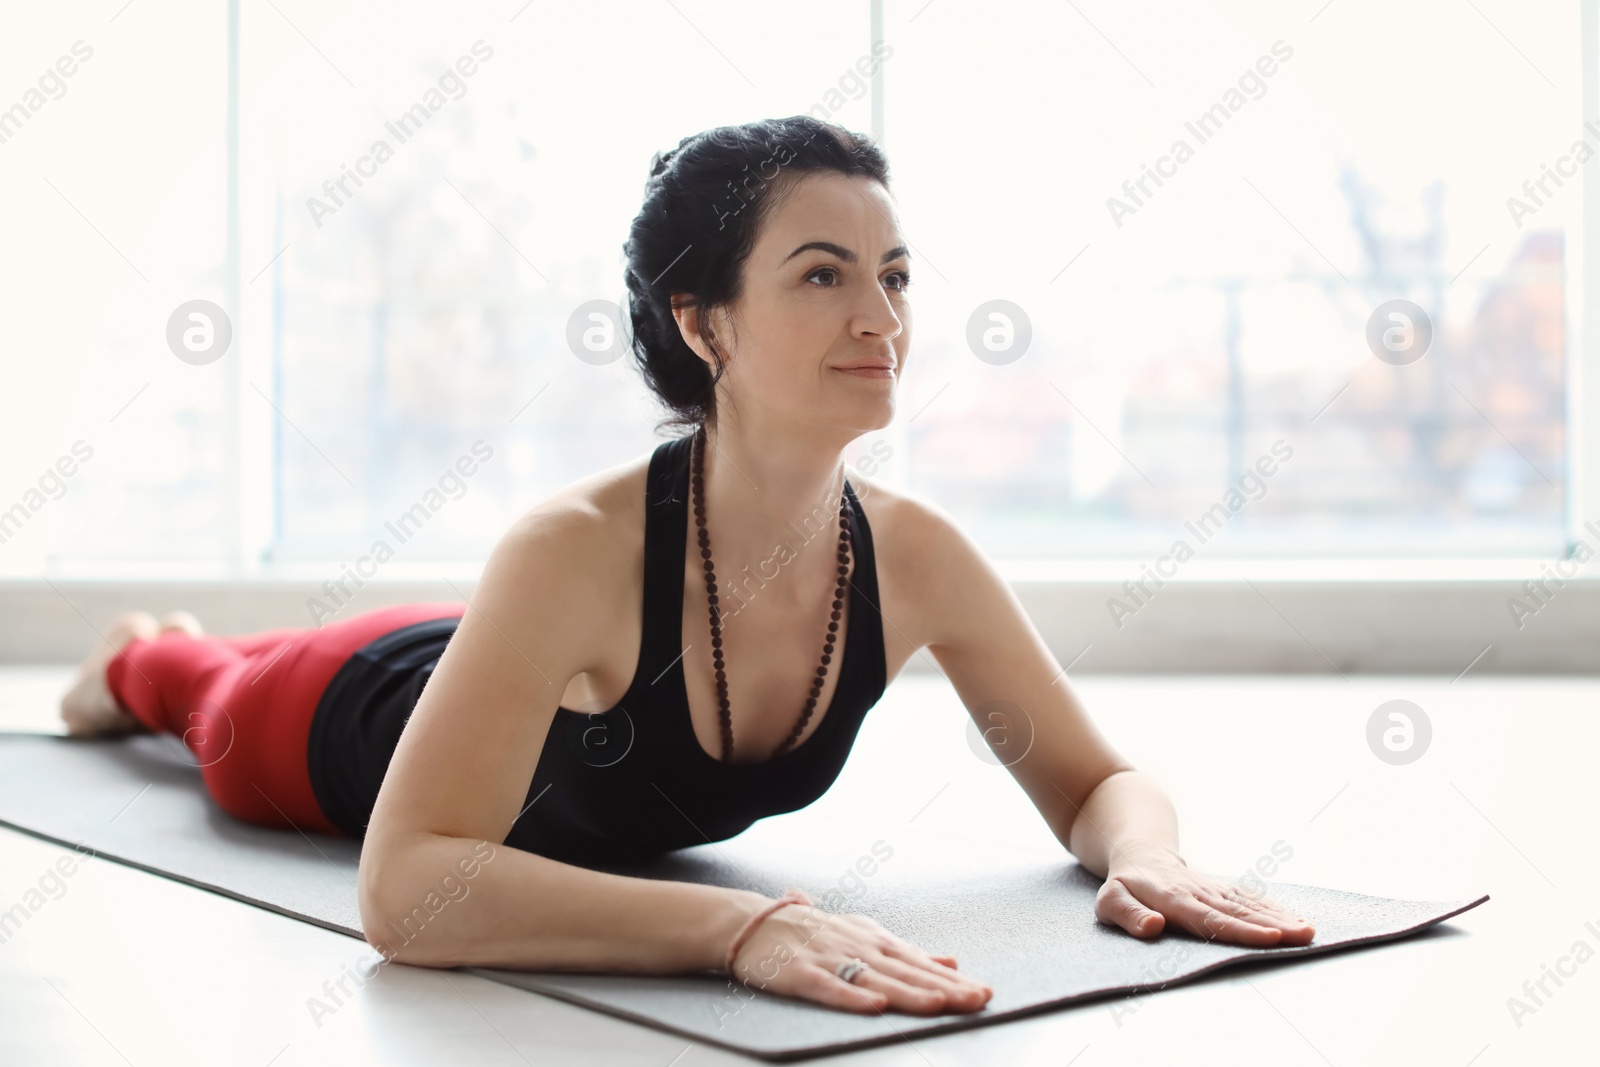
x,y
869,370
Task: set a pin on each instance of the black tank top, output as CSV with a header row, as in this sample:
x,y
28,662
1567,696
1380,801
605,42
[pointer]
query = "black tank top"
x,y
631,782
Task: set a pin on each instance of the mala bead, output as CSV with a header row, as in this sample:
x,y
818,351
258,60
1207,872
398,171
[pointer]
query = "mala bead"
x,y
724,711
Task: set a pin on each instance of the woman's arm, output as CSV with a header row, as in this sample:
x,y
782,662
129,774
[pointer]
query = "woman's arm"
x,y
459,779
435,888
1114,818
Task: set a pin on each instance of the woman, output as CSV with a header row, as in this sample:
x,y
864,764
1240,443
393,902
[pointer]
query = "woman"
x,y
768,288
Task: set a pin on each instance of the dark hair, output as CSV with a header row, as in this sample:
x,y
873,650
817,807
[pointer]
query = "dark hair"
x,y
703,205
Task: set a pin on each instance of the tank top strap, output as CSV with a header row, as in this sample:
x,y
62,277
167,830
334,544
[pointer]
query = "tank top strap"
x,y
665,542
864,578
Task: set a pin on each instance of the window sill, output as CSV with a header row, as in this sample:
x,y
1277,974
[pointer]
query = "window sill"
x,y
1335,616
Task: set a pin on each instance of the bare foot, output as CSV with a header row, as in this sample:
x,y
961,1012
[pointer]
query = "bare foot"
x,y
88,707
181,620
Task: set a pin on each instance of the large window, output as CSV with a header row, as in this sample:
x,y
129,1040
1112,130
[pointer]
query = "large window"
x,y
428,308
1199,219
113,453
1157,268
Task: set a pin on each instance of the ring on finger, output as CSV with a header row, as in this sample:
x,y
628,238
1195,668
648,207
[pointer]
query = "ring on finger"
x,y
850,968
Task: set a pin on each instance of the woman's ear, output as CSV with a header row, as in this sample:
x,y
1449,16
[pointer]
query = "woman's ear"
x,y
689,319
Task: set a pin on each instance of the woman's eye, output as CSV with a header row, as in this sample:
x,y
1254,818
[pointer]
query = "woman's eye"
x,y
898,280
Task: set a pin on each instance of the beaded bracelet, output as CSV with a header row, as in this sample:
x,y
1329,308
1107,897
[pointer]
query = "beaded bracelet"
x,y
793,896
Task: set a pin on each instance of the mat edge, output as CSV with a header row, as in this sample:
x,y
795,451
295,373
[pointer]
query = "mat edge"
x,y
978,1021
191,882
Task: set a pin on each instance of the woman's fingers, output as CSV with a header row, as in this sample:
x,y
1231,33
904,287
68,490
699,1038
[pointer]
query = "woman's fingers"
x,y
1216,913
1118,906
898,976
903,996
959,993
1218,901
944,966
823,986
911,964
1264,904
1206,920
1295,932
873,991
890,945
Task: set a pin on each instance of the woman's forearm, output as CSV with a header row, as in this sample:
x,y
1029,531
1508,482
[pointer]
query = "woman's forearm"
x,y
1127,813
447,901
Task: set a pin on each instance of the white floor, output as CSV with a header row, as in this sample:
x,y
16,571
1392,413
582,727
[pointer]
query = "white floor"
x,y
124,967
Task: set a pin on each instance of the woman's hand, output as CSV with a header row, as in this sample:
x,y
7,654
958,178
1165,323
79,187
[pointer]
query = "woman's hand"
x,y
795,950
1148,887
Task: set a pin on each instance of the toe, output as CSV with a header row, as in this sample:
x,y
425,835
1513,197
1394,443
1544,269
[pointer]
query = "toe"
x,y
181,621
88,706
132,624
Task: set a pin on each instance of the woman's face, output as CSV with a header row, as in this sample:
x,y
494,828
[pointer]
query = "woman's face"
x,y
822,327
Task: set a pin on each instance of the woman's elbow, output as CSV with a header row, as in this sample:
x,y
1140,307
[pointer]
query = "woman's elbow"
x,y
398,936
405,901
394,916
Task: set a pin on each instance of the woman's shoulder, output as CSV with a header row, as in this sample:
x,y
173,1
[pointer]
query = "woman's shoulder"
x,y
934,579
915,540
592,517
569,567
907,527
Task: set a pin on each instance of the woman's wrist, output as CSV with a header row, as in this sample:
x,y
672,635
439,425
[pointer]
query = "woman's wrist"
x,y
729,913
792,896
1129,854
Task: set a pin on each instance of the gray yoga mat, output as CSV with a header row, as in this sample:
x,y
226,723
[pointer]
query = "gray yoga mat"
x,y
1026,929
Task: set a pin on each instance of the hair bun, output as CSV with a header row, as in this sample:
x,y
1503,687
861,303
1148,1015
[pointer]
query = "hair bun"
x,y
660,161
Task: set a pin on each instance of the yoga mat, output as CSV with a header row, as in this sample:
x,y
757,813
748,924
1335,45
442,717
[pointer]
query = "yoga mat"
x,y
1027,929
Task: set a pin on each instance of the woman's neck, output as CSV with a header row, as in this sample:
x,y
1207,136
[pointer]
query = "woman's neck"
x,y
782,487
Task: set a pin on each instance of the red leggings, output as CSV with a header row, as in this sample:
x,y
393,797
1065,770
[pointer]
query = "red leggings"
x,y
243,705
